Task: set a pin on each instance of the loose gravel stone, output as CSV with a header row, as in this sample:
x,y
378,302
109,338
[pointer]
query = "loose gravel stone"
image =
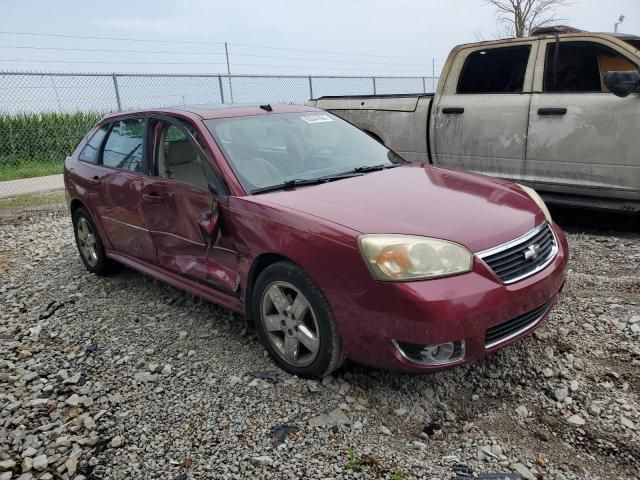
x,y
130,378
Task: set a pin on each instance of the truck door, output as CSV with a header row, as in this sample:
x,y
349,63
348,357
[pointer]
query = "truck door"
x,y
481,114
582,139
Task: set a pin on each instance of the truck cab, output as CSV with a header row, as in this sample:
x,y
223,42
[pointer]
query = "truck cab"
x,y
534,110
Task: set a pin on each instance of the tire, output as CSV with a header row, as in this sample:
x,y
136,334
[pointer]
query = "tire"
x,y
89,243
295,323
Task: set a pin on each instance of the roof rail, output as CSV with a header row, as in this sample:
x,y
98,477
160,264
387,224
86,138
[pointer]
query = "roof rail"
x,y
551,29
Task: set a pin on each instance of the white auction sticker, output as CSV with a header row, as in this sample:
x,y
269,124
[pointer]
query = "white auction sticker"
x,y
317,118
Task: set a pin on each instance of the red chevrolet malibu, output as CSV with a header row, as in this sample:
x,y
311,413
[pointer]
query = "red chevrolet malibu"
x,y
329,243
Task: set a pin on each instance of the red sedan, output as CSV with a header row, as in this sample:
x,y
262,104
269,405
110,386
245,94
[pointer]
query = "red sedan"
x,y
330,244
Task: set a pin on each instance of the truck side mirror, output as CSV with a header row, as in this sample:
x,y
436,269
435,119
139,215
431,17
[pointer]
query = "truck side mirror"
x,y
621,84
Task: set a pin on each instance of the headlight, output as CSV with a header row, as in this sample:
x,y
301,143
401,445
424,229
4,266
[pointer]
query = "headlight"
x,y
408,257
536,198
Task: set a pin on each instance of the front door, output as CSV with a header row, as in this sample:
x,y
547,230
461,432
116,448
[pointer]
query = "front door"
x,y
480,118
118,179
583,139
176,203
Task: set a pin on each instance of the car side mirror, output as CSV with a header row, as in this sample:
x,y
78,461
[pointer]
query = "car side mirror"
x,y
621,84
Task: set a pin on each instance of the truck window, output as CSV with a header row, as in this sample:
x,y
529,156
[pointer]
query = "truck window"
x,y
581,66
495,70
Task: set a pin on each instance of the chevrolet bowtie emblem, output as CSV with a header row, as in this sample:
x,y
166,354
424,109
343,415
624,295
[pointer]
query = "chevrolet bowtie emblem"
x,y
531,252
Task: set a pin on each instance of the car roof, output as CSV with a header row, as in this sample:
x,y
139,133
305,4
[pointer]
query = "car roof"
x,y
208,112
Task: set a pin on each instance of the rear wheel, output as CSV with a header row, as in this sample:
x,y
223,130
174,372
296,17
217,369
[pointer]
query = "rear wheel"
x,y
295,322
89,242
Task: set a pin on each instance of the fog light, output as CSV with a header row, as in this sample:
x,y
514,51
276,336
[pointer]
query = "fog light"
x,y
435,354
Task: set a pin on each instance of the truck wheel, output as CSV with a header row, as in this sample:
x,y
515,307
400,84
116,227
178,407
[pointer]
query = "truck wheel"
x,y
295,323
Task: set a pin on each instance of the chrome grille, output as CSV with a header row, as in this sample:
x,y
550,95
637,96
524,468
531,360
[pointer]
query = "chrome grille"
x,y
516,326
523,256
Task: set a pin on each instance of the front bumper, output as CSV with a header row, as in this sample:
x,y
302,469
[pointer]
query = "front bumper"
x,y
464,307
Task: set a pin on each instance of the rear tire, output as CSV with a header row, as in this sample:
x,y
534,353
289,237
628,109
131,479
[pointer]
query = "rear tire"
x,y
89,243
295,323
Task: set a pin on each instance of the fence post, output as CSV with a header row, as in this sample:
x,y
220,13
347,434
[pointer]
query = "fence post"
x,y
221,90
55,90
424,85
117,90
433,74
310,89
374,84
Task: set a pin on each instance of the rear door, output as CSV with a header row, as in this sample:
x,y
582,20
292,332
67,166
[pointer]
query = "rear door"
x,y
176,203
117,180
480,116
583,139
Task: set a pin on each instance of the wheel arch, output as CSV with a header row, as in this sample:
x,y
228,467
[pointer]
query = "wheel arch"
x,y
259,264
75,205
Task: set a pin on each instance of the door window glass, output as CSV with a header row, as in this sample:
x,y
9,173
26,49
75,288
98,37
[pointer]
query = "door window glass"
x,y
581,66
179,159
91,151
123,148
495,70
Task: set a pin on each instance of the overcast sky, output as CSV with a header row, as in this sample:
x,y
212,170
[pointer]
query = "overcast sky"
x,y
376,36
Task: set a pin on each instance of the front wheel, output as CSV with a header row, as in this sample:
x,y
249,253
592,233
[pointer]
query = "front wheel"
x,y
295,323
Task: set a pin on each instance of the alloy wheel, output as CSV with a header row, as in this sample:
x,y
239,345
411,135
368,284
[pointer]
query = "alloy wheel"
x,y
290,324
87,242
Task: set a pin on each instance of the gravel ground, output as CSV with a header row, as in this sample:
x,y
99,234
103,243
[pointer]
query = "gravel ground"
x,y
125,377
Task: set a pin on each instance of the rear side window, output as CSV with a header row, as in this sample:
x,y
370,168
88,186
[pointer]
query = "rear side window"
x,y
91,151
123,148
495,70
581,66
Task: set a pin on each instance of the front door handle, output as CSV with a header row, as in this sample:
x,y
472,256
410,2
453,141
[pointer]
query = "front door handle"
x,y
151,197
453,110
552,111
96,180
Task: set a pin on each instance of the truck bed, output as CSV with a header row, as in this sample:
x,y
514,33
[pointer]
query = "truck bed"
x,y
400,121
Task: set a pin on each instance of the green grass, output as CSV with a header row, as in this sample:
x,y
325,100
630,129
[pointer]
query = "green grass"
x,y
31,168
32,200
34,145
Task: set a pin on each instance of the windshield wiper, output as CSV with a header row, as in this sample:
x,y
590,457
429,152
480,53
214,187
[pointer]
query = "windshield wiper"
x,y
364,169
301,182
298,182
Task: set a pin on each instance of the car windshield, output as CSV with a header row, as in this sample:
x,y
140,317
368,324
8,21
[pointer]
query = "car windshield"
x,y
275,150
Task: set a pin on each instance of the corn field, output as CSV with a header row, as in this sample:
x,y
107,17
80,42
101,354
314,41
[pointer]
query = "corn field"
x,y
37,144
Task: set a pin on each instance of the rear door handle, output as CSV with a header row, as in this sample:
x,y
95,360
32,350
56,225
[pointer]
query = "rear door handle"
x,y
453,110
96,180
151,197
552,111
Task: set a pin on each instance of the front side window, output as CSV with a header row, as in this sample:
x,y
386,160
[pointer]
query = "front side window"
x,y
123,148
495,70
581,66
179,159
91,151
267,150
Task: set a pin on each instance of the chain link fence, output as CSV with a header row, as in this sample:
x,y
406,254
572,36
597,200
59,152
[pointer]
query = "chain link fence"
x,y
43,116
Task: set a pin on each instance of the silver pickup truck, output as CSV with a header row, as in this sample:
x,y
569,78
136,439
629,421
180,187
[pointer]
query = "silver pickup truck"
x,y
534,110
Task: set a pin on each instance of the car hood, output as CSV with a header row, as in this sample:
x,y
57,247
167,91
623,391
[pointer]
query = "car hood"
x,y
476,211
